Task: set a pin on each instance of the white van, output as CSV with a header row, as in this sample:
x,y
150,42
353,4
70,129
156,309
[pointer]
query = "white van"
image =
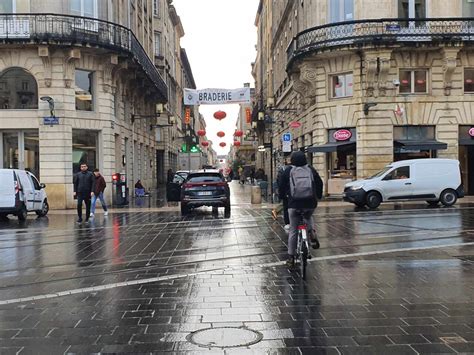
x,y
20,192
431,180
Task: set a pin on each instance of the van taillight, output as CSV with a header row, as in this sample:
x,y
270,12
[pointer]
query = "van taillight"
x,y
17,187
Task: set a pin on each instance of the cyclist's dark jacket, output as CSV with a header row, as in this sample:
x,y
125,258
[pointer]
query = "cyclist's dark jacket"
x,y
299,159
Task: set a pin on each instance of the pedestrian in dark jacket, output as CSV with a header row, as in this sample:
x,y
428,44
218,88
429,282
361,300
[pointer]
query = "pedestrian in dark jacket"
x,y
83,191
283,198
296,207
98,191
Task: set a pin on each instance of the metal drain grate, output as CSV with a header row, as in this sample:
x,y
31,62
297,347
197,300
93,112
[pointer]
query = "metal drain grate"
x,y
224,337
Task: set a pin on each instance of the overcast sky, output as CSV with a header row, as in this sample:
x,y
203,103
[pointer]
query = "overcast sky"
x,y
220,43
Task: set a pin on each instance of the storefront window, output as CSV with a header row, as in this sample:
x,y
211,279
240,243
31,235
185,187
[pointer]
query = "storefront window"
x,y
342,85
20,150
414,142
84,92
18,90
31,144
413,81
469,80
84,149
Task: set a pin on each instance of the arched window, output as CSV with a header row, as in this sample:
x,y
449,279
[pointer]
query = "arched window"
x,y
18,90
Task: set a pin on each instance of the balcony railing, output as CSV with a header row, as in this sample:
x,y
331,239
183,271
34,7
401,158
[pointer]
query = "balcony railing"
x,y
380,31
72,30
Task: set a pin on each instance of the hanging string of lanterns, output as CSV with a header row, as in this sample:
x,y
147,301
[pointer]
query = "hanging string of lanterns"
x,y
220,115
220,134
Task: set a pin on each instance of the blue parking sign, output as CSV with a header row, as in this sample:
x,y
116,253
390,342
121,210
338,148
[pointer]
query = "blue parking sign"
x,y
286,137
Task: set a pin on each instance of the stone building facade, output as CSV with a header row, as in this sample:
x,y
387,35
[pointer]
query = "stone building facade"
x,y
94,60
369,82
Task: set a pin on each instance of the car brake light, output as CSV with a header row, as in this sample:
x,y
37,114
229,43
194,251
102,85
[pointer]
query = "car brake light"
x,y
221,184
17,187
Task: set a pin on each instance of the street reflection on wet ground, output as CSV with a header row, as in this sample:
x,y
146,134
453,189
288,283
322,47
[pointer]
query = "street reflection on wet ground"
x,y
396,280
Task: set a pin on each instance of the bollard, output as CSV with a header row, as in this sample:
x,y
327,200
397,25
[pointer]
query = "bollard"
x,y
256,197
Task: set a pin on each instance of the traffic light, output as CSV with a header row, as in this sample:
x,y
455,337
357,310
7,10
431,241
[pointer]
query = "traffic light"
x,y
187,116
190,148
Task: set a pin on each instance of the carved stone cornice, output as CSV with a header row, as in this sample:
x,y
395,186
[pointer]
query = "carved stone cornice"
x,y
109,63
377,68
370,75
449,65
384,68
44,54
69,65
304,83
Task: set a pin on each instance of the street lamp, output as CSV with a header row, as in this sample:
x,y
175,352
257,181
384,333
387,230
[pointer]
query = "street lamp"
x,y
50,102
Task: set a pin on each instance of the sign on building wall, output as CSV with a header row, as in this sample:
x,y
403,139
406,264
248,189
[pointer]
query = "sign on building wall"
x,y
216,96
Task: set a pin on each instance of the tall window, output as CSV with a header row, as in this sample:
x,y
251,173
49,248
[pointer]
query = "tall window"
x,y
157,44
84,8
156,7
341,10
342,85
84,149
7,6
18,90
469,80
468,8
412,9
413,81
84,92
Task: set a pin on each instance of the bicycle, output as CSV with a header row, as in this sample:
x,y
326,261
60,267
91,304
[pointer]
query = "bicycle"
x,y
302,246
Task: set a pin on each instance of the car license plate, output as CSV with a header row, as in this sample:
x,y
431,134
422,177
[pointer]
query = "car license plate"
x,y
205,193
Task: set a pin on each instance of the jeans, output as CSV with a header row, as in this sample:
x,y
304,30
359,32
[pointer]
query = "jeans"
x,y
102,201
294,215
86,198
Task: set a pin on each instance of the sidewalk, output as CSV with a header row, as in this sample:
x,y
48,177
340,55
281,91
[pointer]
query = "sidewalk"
x,y
240,198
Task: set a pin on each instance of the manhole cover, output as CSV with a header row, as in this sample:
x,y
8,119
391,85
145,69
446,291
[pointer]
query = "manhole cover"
x,y
224,337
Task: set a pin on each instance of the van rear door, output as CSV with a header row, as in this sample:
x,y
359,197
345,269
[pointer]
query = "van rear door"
x,y
27,189
7,189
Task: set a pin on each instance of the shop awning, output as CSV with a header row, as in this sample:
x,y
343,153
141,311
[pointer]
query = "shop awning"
x,y
332,147
466,142
421,145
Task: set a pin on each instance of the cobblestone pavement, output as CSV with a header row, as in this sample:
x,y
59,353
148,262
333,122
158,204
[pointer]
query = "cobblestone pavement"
x,y
394,281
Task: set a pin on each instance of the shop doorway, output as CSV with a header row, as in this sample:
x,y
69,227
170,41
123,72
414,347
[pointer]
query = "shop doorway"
x,y
160,167
20,150
466,158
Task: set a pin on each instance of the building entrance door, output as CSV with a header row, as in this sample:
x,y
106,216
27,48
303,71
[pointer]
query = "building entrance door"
x,y
20,150
466,158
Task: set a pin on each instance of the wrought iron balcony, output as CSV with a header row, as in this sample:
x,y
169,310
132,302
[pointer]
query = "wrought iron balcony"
x,y
380,32
72,30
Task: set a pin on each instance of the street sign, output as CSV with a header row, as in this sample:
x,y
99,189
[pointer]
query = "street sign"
x,y
286,147
286,137
50,121
295,124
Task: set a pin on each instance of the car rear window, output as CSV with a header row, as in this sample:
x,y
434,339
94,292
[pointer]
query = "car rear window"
x,y
205,178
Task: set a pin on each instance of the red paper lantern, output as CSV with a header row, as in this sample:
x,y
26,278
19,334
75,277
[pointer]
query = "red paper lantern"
x,y
220,134
219,115
205,143
237,143
238,133
201,133
222,144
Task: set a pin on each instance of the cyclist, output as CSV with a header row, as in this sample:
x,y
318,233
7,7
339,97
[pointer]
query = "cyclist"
x,y
303,186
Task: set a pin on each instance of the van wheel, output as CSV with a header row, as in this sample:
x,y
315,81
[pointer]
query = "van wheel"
x,y
22,214
373,199
448,197
3,217
44,211
433,203
359,204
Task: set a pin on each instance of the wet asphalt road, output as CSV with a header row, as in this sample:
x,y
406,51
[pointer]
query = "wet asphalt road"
x,y
394,281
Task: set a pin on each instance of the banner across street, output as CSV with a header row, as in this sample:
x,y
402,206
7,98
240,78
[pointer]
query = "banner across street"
x,y
216,96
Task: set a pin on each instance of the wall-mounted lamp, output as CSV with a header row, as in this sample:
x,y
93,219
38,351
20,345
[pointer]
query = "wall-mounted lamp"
x,y
50,102
261,116
367,106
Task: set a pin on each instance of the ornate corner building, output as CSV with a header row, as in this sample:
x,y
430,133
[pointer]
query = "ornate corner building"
x,y
369,82
93,60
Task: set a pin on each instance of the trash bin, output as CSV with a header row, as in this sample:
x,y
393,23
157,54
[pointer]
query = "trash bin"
x,y
256,196
264,189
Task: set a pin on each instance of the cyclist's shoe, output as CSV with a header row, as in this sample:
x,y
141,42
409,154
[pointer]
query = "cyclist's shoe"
x,y
274,215
291,261
314,240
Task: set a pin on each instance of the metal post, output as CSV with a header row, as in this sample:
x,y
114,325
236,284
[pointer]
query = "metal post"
x,y
271,167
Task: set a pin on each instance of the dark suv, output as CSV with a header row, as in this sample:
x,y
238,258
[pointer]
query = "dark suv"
x,y
205,188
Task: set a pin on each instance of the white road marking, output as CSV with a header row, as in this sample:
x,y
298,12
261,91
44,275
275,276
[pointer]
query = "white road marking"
x,y
174,277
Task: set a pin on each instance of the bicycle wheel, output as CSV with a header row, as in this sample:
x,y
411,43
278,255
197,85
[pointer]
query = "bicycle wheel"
x,y
304,257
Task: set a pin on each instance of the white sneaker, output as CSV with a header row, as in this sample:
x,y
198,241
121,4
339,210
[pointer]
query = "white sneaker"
x,y
91,215
287,227
106,213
